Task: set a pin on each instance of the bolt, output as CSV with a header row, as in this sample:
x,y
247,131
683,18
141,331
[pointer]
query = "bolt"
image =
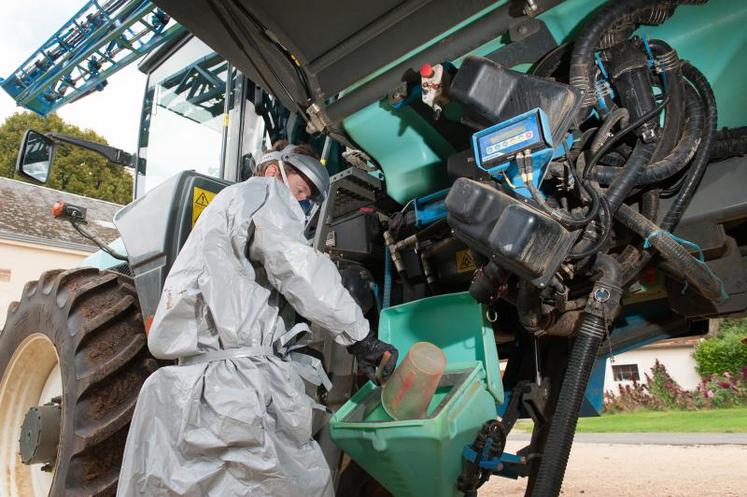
x,y
522,30
602,295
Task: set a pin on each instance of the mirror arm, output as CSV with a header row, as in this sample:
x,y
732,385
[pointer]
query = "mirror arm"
x,y
112,154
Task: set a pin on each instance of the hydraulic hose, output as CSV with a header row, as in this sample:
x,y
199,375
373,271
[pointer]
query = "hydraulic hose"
x,y
591,332
548,64
619,13
529,307
677,159
700,163
624,182
730,142
670,69
695,272
619,115
613,23
591,163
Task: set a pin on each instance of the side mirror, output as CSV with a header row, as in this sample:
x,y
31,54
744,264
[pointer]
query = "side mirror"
x,y
35,156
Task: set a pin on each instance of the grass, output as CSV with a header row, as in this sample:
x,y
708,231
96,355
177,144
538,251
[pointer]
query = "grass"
x,y
732,420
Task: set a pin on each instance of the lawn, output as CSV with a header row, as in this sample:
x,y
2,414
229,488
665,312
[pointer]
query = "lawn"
x,y
716,420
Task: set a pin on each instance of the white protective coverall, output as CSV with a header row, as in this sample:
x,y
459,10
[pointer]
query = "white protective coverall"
x,y
233,419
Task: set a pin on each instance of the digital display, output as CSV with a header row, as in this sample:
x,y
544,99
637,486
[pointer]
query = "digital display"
x,y
496,143
511,131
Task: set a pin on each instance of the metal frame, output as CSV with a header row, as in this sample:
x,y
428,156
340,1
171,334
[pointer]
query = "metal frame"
x,y
94,44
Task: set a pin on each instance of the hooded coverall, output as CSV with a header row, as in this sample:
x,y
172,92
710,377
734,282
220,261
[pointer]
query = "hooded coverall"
x,y
233,418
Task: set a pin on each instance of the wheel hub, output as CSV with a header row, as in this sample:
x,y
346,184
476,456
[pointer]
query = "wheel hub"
x,y
40,435
32,379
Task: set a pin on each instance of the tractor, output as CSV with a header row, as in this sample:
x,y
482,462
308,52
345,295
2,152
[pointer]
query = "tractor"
x,y
547,182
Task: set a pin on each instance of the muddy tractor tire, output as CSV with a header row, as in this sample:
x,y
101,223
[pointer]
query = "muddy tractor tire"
x,y
73,357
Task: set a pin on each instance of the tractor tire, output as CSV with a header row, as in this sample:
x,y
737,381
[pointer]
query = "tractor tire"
x,y
89,322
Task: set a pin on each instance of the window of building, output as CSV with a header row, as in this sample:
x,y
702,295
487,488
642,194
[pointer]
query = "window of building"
x,y
4,274
626,372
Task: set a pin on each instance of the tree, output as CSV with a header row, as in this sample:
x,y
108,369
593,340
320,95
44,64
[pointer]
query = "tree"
x,y
724,352
75,170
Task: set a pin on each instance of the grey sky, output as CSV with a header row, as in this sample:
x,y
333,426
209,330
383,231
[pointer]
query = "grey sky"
x,y
113,113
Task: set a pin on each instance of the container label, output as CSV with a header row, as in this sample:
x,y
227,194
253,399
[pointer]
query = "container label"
x,y
200,199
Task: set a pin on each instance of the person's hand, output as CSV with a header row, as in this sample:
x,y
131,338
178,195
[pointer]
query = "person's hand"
x,y
372,352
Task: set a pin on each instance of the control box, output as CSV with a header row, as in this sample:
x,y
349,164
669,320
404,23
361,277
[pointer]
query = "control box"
x,y
496,147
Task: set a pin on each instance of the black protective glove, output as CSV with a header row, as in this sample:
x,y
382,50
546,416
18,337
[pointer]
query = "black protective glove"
x,y
369,353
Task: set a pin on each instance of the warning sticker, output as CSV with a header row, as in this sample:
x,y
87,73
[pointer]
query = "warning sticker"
x,y
200,199
464,262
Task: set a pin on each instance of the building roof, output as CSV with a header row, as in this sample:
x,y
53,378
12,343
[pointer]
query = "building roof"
x,y
25,215
671,343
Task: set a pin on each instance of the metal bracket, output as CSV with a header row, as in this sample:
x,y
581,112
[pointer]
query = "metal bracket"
x,y
317,120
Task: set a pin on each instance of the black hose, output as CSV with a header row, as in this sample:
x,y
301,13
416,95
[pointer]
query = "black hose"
x,y
700,163
677,159
548,64
529,307
620,116
670,68
624,182
586,248
620,135
591,332
729,143
618,18
694,271
566,219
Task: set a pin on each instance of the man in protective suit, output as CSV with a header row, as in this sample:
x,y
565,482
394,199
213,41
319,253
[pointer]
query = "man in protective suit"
x,y
232,418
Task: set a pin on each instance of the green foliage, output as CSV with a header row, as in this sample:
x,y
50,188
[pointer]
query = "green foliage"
x,y
666,391
662,393
724,352
630,398
726,390
75,170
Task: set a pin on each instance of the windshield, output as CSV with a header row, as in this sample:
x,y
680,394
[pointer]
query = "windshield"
x,y
182,124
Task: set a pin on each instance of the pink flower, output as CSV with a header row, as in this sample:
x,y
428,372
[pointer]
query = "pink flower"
x,y
709,394
724,384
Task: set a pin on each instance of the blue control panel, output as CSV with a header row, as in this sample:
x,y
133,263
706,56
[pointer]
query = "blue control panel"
x,y
496,147
498,143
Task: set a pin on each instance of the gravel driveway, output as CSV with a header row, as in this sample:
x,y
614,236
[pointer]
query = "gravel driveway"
x,y
622,470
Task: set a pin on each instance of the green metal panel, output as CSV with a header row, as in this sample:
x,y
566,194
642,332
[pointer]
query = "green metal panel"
x,y
412,154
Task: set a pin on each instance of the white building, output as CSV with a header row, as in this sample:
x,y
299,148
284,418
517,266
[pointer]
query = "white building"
x,y
674,353
33,241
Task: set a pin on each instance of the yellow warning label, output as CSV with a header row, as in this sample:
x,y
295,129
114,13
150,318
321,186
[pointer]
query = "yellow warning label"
x,y
464,261
200,199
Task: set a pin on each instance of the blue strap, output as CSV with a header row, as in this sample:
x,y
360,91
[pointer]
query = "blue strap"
x,y
648,51
600,65
700,259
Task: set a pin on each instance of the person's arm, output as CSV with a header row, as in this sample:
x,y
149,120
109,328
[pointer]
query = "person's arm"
x,y
308,279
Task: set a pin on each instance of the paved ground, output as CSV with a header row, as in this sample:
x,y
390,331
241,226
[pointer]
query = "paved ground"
x,y
601,465
654,438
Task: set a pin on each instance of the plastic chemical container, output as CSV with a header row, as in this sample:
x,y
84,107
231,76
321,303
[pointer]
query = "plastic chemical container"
x,y
409,391
423,457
